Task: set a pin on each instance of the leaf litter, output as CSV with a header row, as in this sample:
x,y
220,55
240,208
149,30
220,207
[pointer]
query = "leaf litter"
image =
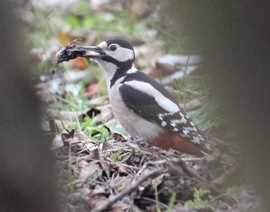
x,y
119,174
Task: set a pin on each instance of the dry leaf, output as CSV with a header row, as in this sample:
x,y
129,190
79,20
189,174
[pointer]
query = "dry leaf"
x,y
94,154
88,170
173,60
92,88
64,37
79,63
148,53
99,189
57,142
64,115
68,135
119,206
179,74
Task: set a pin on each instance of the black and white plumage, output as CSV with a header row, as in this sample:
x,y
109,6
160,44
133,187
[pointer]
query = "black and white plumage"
x,y
144,107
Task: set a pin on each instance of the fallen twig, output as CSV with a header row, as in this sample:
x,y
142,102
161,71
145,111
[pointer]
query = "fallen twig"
x,y
112,199
180,163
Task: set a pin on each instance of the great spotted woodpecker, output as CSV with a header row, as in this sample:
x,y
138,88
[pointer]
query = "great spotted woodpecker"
x,y
144,107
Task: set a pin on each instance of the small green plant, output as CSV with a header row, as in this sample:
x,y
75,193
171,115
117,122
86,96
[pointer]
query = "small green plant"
x,y
206,116
171,202
116,156
72,183
156,198
232,192
91,181
198,198
71,180
121,188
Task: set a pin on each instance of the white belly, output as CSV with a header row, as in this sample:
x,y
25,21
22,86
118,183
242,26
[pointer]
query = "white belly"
x,y
136,126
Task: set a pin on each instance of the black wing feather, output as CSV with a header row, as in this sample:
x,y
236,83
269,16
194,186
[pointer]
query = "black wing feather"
x,y
142,104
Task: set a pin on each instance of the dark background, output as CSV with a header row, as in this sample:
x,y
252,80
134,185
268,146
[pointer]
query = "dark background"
x,y
27,179
233,37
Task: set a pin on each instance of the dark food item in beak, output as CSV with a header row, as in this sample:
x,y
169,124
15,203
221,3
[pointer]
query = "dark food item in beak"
x,y
69,52
72,51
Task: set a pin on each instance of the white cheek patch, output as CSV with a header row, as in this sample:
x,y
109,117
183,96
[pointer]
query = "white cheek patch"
x,y
122,54
162,101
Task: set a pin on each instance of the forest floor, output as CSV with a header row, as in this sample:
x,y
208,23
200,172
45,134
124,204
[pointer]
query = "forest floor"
x,y
100,167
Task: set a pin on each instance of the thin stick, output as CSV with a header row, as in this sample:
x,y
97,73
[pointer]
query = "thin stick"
x,y
112,199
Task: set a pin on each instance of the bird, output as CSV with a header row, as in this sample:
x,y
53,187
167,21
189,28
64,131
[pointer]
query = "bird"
x,y
144,108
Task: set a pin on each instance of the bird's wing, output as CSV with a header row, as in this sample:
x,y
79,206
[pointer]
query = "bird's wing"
x,y
154,104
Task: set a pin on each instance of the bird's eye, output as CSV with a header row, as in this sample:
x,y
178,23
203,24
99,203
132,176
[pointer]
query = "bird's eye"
x,y
112,47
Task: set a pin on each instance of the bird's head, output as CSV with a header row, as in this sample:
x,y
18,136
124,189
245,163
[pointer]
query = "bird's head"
x,y
112,54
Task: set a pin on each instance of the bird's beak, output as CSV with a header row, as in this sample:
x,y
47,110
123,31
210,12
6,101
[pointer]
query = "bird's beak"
x,y
94,52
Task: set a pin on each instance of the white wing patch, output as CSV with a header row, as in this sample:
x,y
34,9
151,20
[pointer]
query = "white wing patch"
x,y
167,104
162,101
